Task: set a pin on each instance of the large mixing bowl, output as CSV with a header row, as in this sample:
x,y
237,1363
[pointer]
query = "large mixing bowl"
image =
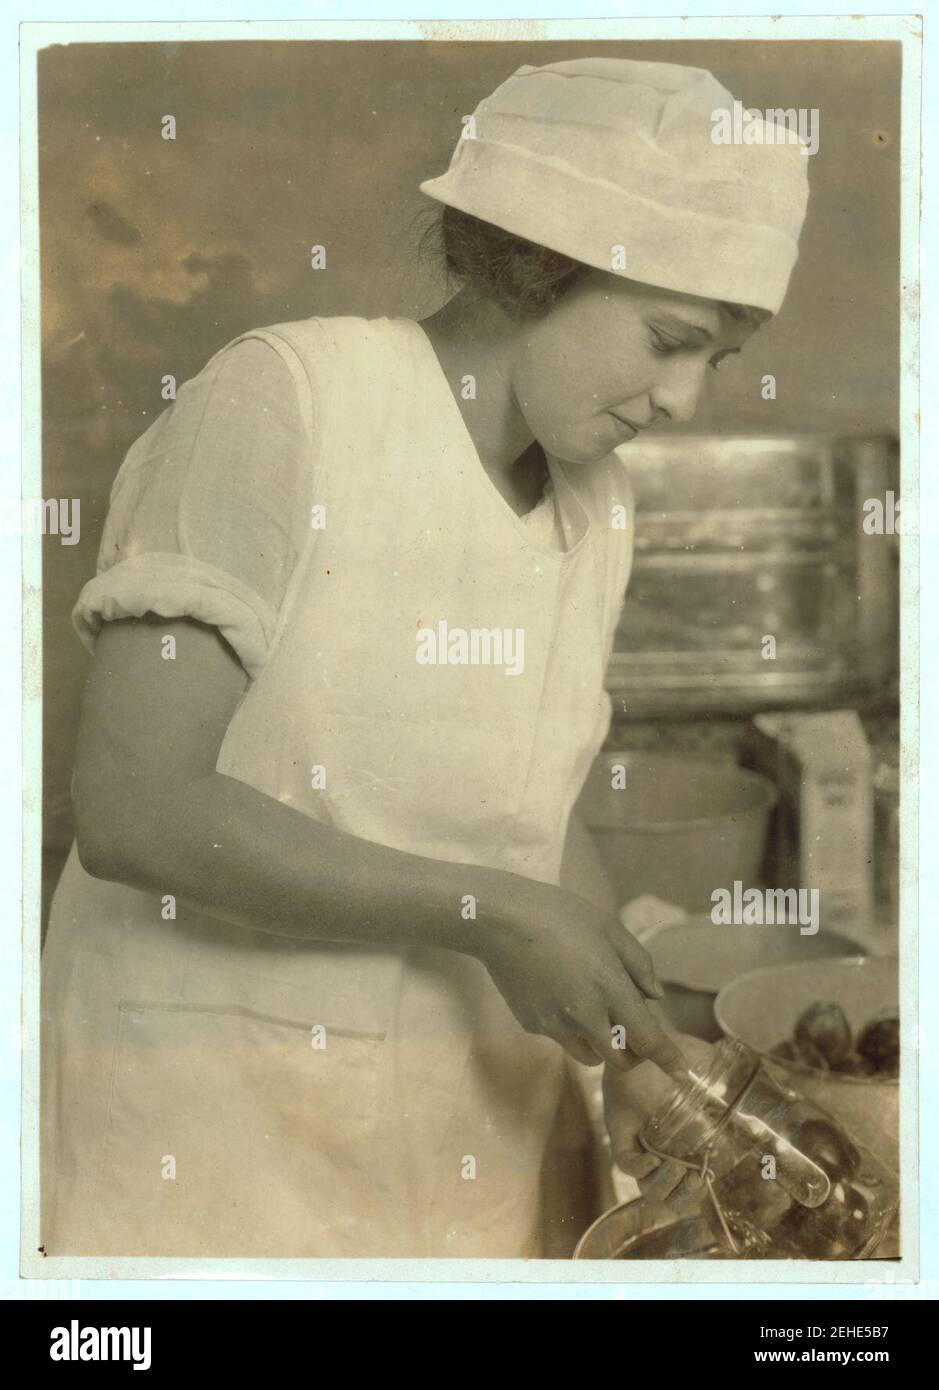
x,y
695,960
761,1009
679,827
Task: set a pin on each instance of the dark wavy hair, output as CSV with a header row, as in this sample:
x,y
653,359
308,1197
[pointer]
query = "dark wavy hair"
x,y
523,278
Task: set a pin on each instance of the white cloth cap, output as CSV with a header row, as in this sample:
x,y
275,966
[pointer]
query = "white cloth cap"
x,y
602,153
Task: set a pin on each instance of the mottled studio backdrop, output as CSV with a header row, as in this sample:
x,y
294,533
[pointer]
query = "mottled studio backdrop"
x,y
155,253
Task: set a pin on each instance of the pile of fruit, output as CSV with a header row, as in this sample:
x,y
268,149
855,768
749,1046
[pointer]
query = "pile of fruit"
x,y
823,1039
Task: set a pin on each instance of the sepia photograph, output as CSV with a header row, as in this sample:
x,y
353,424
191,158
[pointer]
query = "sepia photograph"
x,y
473,522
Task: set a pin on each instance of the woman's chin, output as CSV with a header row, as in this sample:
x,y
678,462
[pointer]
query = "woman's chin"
x,y
582,451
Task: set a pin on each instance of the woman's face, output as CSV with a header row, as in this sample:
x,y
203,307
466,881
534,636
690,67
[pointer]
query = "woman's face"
x,y
612,357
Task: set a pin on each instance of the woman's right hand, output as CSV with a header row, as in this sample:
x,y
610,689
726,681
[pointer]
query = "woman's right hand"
x,y
572,972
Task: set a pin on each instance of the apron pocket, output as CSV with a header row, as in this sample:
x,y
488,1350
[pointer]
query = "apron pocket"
x,y
231,1132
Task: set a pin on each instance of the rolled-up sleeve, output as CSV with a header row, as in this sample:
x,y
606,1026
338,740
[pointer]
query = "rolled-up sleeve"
x,y
210,509
178,586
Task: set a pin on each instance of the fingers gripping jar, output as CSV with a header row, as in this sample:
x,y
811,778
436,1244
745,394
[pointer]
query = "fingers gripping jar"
x,y
783,1177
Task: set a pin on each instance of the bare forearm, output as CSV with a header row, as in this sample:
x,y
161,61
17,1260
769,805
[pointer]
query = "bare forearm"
x,y
582,869
225,848
153,811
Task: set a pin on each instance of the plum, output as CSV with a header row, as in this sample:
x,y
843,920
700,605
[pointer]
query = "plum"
x,y
879,1044
823,1026
810,1056
805,1054
854,1065
837,1230
828,1146
746,1193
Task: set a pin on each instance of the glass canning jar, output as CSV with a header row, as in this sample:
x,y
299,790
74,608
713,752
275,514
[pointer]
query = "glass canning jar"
x,y
784,1178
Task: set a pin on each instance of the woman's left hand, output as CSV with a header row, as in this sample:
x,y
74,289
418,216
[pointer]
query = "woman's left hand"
x,y
629,1098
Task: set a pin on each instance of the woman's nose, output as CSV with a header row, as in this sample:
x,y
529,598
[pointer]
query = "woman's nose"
x,y
678,390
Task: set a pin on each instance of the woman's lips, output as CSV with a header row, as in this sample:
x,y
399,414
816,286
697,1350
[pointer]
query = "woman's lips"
x,y
629,429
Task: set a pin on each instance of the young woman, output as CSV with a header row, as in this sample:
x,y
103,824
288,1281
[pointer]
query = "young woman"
x,y
312,979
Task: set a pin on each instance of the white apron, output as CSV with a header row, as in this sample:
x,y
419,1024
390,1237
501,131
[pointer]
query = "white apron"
x,y
190,1106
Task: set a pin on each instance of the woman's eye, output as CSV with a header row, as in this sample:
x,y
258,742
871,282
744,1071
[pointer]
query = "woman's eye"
x,y
659,343
721,359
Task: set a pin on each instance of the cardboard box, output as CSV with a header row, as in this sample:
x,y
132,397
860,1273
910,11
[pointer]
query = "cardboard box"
x,y
823,833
